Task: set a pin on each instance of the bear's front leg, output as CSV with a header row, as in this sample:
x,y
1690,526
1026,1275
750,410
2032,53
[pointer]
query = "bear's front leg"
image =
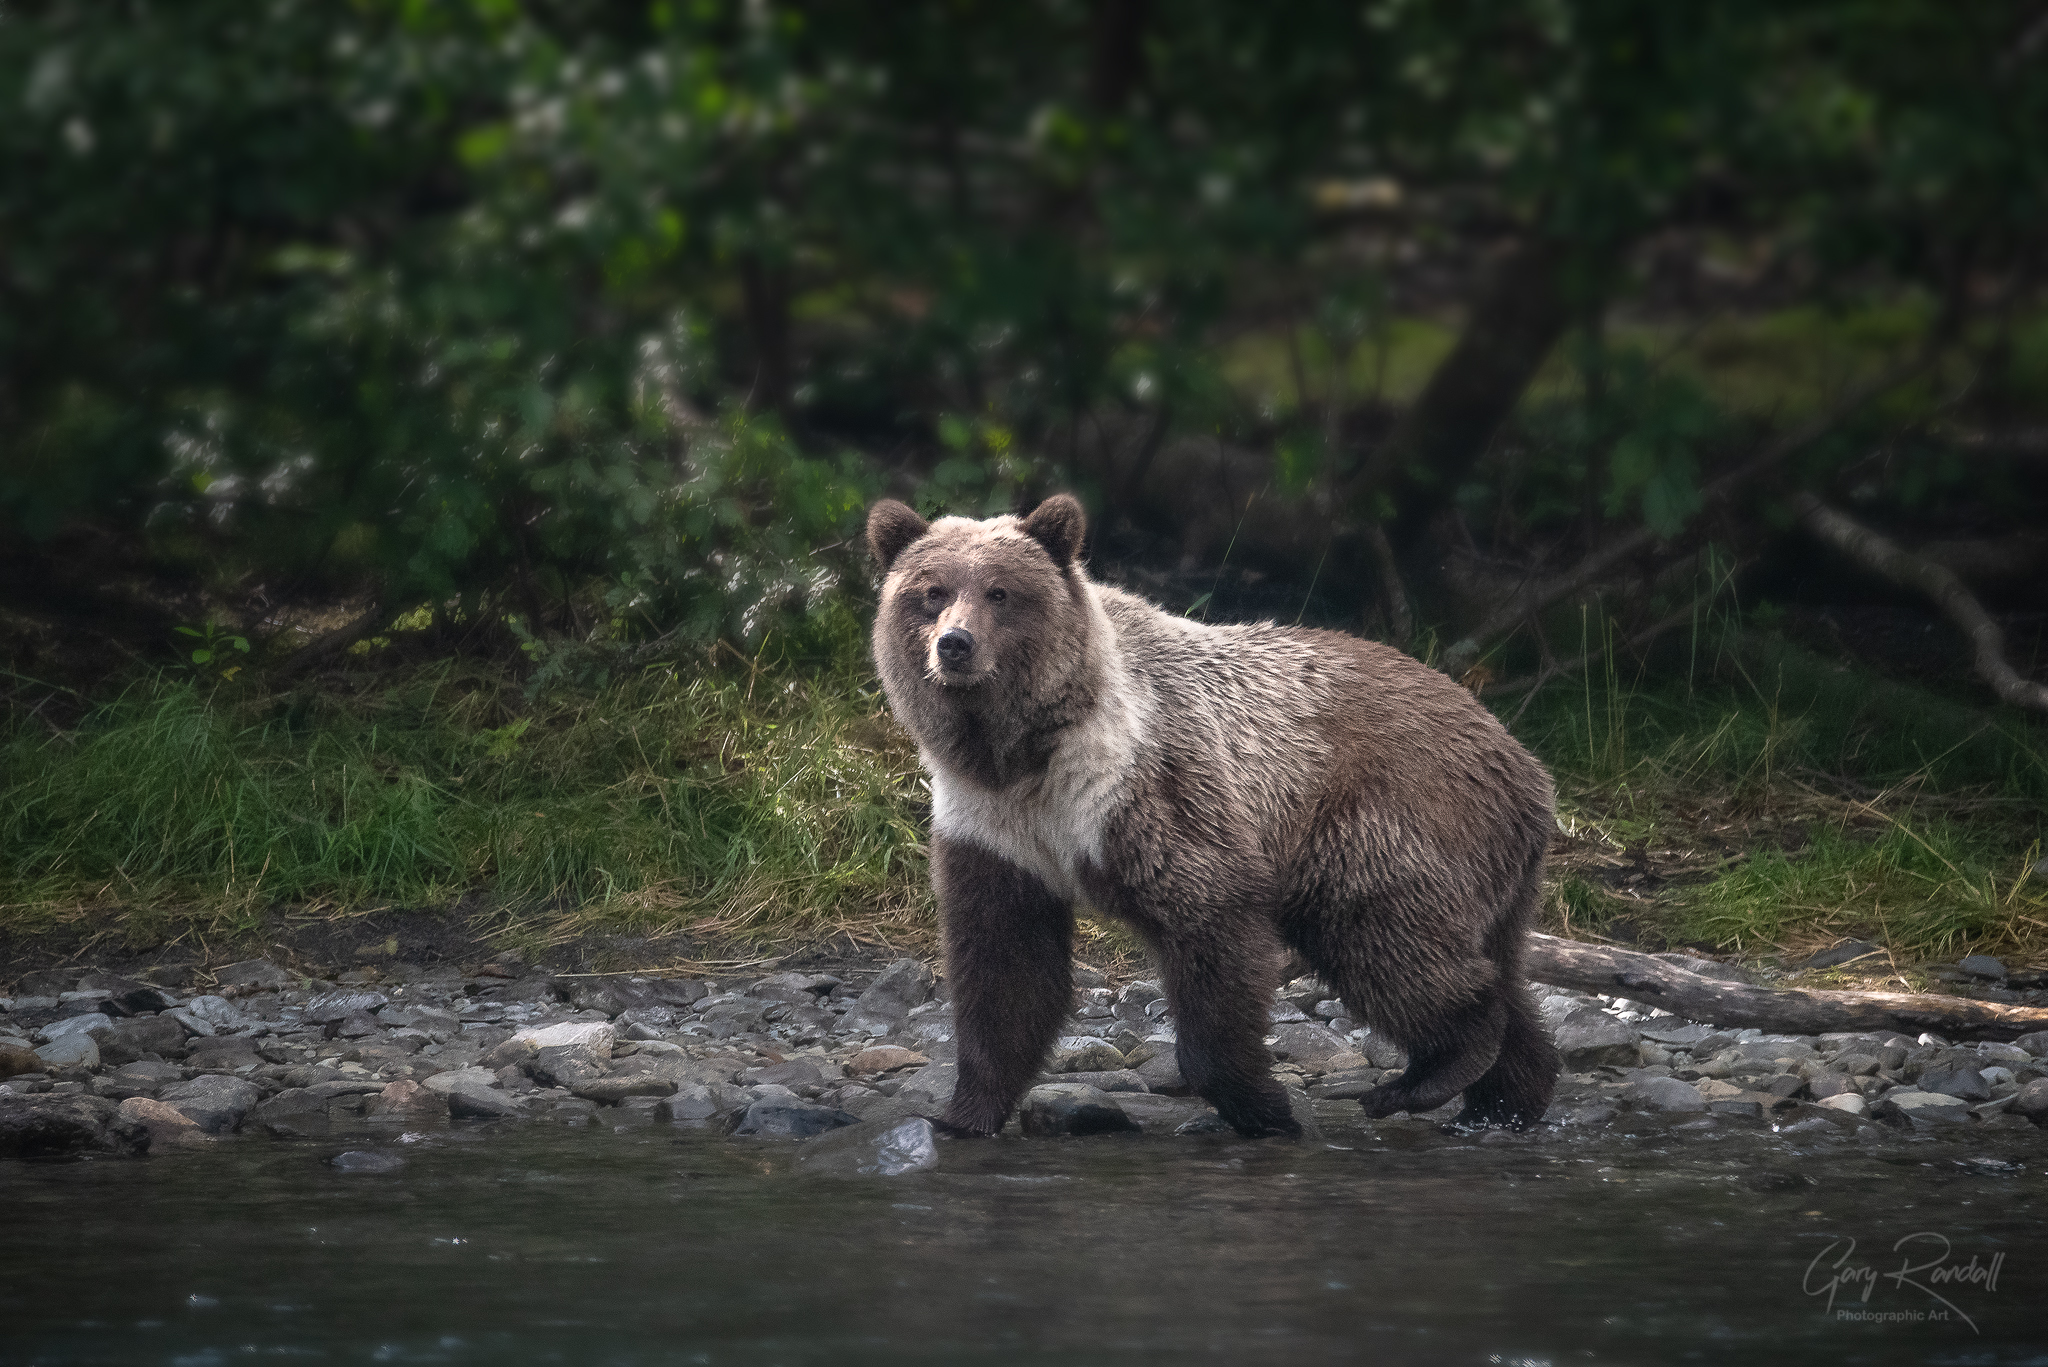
x,y
1219,981
1009,969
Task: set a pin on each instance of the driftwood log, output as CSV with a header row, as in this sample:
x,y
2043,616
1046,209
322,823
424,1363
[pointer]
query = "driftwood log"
x,y
1789,1011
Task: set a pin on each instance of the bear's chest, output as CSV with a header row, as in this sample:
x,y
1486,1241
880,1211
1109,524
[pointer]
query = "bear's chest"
x,y
1052,823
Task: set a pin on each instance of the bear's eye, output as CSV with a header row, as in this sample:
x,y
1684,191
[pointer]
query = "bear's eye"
x,y
996,595
935,594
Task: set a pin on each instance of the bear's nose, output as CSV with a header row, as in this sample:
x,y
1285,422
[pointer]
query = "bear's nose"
x,y
955,645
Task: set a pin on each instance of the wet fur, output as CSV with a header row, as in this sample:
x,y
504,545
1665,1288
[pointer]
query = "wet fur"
x,y
1231,793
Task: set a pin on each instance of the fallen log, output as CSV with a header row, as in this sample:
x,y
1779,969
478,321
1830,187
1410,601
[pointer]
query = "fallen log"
x,y
1786,1011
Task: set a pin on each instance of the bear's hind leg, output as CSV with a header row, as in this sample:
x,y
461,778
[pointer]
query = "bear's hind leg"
x,y
1010,970
1219,990
1516,1090
1445,1056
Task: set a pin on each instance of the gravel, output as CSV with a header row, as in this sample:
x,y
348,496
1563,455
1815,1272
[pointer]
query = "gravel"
x,y
105,1064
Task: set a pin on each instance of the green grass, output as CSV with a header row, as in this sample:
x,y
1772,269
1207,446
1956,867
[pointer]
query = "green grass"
x,y
1786,801
1781,800
747,800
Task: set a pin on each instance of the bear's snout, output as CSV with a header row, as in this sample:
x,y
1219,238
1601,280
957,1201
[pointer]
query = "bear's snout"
x,y
955,648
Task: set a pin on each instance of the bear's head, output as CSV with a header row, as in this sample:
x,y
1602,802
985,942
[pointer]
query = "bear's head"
x,y
986,619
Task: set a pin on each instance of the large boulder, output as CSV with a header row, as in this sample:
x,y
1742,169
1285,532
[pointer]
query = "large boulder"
x,y
1063,1108
215,1102
168,1128
1906,1107
39,1126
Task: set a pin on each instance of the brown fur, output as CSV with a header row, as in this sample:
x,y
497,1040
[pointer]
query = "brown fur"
x,y
1231,793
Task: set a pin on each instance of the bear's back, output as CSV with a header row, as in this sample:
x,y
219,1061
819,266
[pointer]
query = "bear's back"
x,y
1299,727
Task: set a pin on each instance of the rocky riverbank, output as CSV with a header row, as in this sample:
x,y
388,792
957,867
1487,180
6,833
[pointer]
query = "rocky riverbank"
x,y
93,1062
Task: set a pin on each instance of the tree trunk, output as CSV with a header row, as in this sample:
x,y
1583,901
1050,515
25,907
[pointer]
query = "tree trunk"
x,y
1790,1011
766,293
1519,316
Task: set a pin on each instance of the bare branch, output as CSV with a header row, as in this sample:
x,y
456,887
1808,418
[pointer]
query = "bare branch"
x,y
1599,968
1876,552
319,651
1511,614
1393,594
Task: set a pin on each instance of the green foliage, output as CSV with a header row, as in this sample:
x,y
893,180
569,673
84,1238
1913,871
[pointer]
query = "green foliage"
x,y
765,799
432,294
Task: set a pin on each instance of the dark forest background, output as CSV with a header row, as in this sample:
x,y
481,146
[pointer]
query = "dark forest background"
x,y
486,371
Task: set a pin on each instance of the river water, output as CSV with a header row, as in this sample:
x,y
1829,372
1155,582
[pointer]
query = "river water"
x,y
1393,1243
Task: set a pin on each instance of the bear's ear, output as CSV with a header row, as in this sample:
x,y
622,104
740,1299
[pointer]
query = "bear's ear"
x,y
1058,524
892,526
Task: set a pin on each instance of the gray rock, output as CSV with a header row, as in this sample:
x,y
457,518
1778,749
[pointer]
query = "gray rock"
x,y
254,973
1906,1106
1347,1086
617,993
221,1053
2032,1101
1983,966
327,1008
218,1012
889,1000
568,1066
1307,1043
1161,1074
365,1160
1962,1082
873,1149
789,1117
1848,1103
91,1023
1094,1056
1591,1039
470,1099
41,1126
695,1103
135,1036
627,1077
1119,1080
2035,1044
1673,1033
934,1083
75,1050
1160,1114
797,989
1832,1084
1663,1094
1068,1109
195,1026
215,1102
1378,1050
290,1112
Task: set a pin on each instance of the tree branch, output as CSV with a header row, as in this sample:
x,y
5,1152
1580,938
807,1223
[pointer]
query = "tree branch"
x,y
322,649
1644,978
1465,653
1876,552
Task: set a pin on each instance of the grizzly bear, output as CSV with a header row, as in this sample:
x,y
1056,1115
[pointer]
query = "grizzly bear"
x,y
1229,792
